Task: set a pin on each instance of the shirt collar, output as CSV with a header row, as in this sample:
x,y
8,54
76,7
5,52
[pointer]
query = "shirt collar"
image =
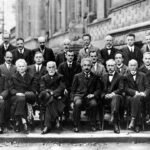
x,y
22,51
119,66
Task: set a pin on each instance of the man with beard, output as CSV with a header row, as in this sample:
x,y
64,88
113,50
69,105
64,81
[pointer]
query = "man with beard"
x,y
88,47
145,68
85,93
6,46
61,57
109,51
47,52
52,88
137,91
21,52
111,95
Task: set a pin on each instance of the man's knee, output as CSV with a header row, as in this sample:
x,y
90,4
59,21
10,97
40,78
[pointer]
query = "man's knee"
x,y
77,101
93,103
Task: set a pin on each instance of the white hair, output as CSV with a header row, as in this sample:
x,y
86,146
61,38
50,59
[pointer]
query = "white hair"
x,y
110,61
133,61
19,61
67,41
52,63
41,39
86,59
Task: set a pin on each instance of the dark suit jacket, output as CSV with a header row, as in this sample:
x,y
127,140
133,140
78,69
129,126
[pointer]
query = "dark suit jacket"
x,y
21,84
141,84
27,55
3,51
48,55
82,86
106,56
116,86
8,73
60,58
69,73
55,84
137,55
145,48
124,70
37,75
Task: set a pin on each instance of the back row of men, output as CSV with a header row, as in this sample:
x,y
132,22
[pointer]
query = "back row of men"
x,y
86,85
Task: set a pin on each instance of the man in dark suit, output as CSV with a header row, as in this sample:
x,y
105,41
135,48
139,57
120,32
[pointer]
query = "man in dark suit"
x,y
8,70
22,91
3,98
6,46
21,52
111,95
68,69
120,67
85,93
88,47
145,68
109,51
130,51
52,88
146,46
47,52
137,90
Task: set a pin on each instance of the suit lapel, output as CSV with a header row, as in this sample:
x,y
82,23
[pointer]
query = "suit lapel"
x,y
137,78
115,77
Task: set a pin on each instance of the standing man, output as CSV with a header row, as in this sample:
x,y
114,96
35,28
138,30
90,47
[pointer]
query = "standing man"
x,y
113,88
130,51
85,51
85,93
6,46
137,91
21,52
146,46
109,51
121,68
47,52
68,69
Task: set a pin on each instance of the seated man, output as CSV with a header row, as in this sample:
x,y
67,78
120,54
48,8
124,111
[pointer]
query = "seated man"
x,y
113,88
137,90
52,88
22,93
3,96
85,92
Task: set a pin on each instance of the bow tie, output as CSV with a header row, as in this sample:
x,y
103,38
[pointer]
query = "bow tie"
x,y
87,75
111,74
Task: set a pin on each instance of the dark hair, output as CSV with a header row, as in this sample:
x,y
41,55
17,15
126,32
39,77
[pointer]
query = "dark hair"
x,y
131,34
119,53
94,52
87,35
18,39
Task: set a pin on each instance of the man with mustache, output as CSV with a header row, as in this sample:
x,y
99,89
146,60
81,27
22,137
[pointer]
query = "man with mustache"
x,y
85,93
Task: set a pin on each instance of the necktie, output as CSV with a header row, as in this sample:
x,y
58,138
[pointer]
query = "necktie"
x,y
70,65
38,68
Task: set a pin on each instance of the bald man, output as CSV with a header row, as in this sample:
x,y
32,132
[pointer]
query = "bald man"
x,y
112,92
137,91
47,52
108,52
51,93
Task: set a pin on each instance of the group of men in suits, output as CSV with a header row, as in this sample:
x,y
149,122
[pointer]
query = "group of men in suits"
x,y
89,81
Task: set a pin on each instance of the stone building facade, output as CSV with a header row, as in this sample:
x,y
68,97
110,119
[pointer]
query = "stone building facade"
x,y
60,19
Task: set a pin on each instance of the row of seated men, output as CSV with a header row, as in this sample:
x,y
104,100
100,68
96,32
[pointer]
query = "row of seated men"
x,y
89,85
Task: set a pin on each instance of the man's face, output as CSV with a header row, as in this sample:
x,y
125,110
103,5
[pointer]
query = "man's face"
x,y
93,57
8,57
86,41
6,38
132,66
146,59
20,44
66,46
69,56
118,59
110,67
86,66
147,39
51,68
130,40
108,41
38,58
21,68
42,44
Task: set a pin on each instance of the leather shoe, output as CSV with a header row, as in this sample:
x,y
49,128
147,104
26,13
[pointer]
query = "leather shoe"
x,y
93,128
1,130
99,127
76,129
25,128
131,125
45,130
112,119
137,129
116,129
17,127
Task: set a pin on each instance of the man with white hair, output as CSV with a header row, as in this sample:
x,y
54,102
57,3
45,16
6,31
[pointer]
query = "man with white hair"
x,y
137,91
22,91
47,52
52,88
85,93
61,57
111,95
6,46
